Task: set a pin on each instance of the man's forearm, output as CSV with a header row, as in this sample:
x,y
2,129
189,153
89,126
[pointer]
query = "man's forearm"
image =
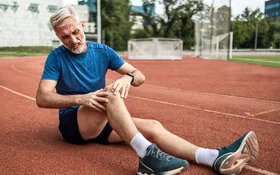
x,y
54,100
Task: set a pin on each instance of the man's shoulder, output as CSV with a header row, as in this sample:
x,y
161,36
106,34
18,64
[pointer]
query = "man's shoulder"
x,y
59,50
57,55
96,45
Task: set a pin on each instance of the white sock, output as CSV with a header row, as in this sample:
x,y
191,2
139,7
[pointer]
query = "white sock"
x,y
206,156
140,144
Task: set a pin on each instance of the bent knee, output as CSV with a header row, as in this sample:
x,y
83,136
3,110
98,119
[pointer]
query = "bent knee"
x,y
153,129
155,125
112,95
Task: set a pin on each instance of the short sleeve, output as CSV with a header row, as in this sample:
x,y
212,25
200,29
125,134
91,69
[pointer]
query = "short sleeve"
x,y
115,60
51,69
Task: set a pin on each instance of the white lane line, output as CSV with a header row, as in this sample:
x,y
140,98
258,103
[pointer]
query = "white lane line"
x,y
213,94
166,88
206,110
172,104
261,171
25,96
262,112
22,72
207,93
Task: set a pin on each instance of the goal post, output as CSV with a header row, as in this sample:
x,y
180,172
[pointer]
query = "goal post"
x,y
213,36
218,47
155,49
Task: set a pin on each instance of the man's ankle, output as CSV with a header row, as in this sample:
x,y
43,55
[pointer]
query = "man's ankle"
x,y
140,144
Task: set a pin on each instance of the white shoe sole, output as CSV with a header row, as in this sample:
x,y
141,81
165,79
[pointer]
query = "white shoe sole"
x,y
171,172
246,153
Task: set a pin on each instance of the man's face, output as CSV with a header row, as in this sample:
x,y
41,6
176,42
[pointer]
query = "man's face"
x,y
71,34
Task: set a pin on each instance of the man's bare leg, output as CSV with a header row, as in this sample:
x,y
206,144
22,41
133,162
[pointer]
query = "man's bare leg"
x,y
227,160
91,122
151,160
125,127
168,142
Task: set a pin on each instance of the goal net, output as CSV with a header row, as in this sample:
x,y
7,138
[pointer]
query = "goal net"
x,y
213,38
155,49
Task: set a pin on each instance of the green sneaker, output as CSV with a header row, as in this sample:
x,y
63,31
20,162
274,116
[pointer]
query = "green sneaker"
x,y
233,158
157,162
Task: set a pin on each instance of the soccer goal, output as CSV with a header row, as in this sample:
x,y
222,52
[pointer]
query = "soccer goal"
x,y
213,36
155,49
215,47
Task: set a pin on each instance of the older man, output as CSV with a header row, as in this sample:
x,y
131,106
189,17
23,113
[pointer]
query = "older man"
x,y
73,81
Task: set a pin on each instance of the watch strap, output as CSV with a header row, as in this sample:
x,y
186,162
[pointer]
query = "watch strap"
x,y
132,76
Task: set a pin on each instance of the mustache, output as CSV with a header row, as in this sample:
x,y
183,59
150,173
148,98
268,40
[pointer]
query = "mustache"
x,y
76,43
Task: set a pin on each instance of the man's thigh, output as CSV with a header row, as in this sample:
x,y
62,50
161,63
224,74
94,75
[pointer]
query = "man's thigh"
x,y
90,122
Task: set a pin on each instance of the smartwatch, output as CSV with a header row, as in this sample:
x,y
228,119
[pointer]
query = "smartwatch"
x,y
132,76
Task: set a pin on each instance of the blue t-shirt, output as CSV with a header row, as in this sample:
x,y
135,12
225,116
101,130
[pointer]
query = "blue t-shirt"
x,y
80,73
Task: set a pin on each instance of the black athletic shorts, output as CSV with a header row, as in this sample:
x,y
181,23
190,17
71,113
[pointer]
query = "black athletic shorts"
x,y
68,127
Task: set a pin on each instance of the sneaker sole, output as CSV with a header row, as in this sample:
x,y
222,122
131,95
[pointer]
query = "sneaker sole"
x,y
246,154
171,172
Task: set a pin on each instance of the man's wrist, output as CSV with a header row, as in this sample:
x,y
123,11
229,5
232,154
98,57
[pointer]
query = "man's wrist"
x,y
77,99
132,77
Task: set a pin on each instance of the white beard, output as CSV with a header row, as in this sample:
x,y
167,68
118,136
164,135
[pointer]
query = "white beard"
x,y
81,48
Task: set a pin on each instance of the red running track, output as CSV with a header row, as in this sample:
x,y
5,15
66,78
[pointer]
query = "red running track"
x,y
208,102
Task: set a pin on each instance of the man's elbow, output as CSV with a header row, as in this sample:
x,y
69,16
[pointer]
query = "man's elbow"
x,y
140,80
143,78
39,102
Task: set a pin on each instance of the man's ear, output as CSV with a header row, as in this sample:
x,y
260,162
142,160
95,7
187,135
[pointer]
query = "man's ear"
x,y
83,24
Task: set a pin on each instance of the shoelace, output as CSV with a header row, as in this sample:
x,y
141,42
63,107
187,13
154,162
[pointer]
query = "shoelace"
x,y
156,152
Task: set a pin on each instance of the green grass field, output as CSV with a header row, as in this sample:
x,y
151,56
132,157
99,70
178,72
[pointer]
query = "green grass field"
x,y
24,51
272,61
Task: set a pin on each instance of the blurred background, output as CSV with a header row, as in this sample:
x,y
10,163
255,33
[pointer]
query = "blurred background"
x,y
213,28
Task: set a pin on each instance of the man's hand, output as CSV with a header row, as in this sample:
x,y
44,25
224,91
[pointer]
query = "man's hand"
x,y
121,86
95,100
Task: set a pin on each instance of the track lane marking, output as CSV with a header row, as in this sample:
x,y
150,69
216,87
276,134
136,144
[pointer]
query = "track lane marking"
x,y
206,110
258,170
20,94
22,72
208,93
168,103
262,112
189,107
261,171
166,88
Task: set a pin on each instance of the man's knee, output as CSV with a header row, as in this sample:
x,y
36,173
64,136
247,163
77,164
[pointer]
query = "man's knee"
x,y
112,95
155,125
153,129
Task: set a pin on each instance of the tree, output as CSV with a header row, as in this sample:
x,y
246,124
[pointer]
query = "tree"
x,y
275,31
247,26
176,22
222,17
115,23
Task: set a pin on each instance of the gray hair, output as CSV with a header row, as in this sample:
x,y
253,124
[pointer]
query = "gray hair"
x,y
64,12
